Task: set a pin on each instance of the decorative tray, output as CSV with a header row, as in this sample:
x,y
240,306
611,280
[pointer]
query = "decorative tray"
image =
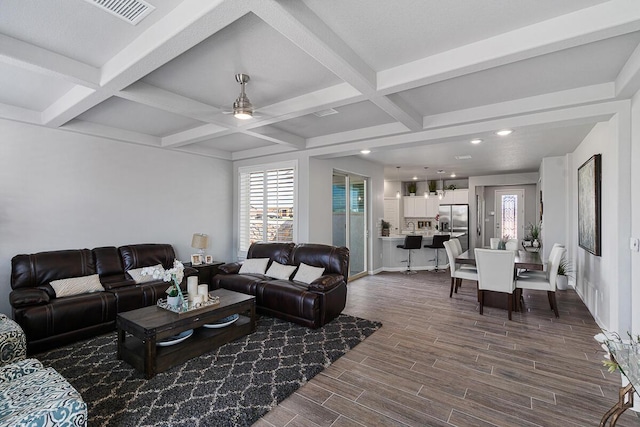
x,y
222,322
191,308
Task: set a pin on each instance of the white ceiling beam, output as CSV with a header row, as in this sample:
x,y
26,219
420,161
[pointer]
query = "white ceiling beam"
x,y
549,101
400,110
260,152
197,134
201,150
628,79
357,134
191,22
278,136
29,57
72,104
152,96
609,19
19,114
306,30
102,131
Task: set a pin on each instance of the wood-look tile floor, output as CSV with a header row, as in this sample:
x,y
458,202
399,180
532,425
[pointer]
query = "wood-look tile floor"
x,y
437,362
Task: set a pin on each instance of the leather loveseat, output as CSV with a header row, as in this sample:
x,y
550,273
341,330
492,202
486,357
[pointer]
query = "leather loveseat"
x,y
313,304
49,321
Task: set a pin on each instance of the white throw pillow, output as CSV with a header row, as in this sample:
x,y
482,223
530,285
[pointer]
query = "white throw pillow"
x,y
136,274
280,271
254,266
77,285
307,274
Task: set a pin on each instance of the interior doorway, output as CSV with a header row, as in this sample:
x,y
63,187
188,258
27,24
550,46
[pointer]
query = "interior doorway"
x,y
509,214
350,195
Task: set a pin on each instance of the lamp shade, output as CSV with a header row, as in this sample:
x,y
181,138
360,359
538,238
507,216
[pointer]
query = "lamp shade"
x,y
199,241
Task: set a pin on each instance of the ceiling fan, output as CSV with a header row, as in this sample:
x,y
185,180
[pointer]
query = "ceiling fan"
x,y
242,107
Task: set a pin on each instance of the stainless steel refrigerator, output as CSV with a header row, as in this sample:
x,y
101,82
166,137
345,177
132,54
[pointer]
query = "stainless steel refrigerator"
x,y
455,219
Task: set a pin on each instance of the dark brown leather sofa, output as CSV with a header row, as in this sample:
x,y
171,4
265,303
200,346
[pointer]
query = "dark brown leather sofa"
x,y
51,322
311,305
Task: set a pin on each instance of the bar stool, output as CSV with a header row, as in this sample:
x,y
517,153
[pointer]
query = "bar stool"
x,y
410,242
438,243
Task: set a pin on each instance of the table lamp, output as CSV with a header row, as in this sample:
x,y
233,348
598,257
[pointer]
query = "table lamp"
x,y
199,242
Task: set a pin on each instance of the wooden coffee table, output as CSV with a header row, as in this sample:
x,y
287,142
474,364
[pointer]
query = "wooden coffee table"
x,y
140,330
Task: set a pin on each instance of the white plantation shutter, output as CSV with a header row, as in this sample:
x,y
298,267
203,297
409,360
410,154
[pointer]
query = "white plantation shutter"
x,y
266,211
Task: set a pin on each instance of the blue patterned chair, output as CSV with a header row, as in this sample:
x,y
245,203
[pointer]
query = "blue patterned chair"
x,y
32,395
13,344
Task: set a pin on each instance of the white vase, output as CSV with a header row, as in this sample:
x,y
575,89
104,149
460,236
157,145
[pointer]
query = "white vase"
x,y
173,301
536,244
562,282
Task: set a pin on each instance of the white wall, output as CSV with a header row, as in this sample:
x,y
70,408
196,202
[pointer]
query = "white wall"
x,y
635,211
553,184
62,190
603,282
489,206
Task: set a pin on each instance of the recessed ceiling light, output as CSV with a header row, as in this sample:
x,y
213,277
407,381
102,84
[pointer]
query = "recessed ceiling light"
x,y
504,132
463,157
453,175
365,151
415,178
440,171
476,141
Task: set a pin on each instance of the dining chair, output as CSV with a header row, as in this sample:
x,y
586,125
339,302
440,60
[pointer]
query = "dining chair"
x,y
457,244
410,242
494,242
457,274
544,283
495,273
511,245
542,273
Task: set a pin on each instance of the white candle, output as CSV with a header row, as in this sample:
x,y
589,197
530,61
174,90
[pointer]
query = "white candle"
x,y
197,299
204,291
192,286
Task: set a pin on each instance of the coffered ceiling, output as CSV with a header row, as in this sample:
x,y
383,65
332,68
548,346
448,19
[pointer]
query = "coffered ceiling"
x,y
411,80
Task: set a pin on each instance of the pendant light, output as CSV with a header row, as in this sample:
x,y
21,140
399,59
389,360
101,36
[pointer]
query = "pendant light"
x,y
399,183
426,183
441,192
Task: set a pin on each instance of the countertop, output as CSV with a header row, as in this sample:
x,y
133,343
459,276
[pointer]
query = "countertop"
x,y
424,234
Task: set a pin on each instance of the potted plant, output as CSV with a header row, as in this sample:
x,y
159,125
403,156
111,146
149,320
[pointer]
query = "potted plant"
x,y
432,186
565,270
534,234
412,187
384,225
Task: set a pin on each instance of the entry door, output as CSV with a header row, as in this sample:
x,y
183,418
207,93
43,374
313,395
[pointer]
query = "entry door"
x,y
350,218
509,214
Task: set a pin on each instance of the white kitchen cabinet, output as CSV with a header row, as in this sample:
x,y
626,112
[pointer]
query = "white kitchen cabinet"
x,y
392,213
461,197
415,207
433,206
448,198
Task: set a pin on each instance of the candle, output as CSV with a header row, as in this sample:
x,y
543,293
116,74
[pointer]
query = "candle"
x,y
204,291
192,286
197,299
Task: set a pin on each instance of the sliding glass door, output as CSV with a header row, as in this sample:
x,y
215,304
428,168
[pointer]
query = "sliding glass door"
x,y
350,218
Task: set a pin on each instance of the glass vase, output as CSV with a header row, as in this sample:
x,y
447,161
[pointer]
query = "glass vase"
x,y
183,301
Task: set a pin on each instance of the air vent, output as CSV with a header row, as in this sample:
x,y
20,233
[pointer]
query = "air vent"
x,y
328,112
132,11
465,157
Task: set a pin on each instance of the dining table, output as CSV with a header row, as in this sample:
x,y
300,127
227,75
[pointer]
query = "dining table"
x,y
524,261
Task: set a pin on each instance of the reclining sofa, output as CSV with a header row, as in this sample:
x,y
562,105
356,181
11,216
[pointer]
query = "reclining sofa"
x,y
309,304
49,321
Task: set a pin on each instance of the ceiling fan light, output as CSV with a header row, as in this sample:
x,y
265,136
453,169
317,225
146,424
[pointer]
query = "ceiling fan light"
x,y
242,114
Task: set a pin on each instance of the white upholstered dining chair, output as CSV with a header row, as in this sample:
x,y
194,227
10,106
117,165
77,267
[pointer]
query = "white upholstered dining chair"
x,y
495,273
457,274
511,245
545,282
494,242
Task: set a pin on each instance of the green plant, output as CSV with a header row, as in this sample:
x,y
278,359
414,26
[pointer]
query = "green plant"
x,y
412,187
451,187
534,230
385,225
432,186
565,268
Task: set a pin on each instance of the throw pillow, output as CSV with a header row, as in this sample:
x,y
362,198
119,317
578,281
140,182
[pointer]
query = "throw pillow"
x,y
254,266
280,271
307,274
136,274
77,285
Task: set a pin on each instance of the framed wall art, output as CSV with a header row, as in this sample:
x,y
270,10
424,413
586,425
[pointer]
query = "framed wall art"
x,y
589,201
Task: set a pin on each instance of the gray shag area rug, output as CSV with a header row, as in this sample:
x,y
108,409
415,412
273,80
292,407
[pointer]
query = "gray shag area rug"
x,y
233,385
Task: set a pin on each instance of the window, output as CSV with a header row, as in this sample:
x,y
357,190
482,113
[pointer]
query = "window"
x,y
509,216
267,205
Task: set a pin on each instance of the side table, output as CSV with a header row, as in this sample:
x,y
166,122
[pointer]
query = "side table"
x,y
628,361
206,272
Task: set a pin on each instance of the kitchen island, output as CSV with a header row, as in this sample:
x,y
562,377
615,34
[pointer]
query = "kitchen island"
x,y
421,259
